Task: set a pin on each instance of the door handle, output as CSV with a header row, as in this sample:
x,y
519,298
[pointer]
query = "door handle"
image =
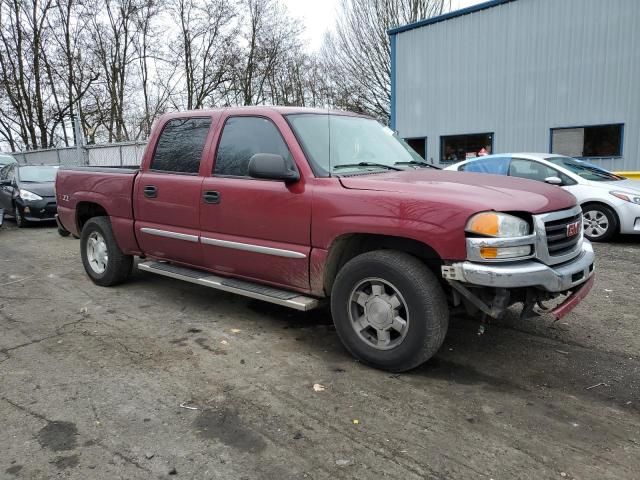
x,y
211,196
150,191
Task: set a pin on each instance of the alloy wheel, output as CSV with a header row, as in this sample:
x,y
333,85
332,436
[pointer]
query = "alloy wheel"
x,y
97,253
596,223
378,313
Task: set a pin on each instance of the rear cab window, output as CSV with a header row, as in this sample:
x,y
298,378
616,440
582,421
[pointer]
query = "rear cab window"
x,y
180,145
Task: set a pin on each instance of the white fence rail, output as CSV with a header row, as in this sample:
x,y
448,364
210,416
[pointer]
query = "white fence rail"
x,y
110,155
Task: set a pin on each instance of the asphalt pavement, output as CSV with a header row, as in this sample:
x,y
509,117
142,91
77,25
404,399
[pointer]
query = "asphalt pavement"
x,y
161,379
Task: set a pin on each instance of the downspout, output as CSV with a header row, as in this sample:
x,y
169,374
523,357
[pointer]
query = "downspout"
x,y
392,40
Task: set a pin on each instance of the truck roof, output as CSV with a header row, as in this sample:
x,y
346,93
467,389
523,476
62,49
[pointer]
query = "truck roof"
x,y
259,109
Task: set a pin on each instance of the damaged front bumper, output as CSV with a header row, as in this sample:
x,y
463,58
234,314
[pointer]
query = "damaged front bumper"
x,y
492,288
527,273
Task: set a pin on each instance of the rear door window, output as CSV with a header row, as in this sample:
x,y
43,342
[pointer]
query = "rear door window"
x,y
180,146
494,165
241,139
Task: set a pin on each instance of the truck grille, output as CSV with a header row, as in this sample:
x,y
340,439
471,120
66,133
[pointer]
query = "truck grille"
x,y
553,245
558,243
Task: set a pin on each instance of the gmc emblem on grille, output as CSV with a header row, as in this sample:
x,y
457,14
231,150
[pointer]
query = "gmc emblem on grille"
x,y
573,229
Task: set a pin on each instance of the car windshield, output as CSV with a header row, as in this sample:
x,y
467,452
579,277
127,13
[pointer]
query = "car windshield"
x,y
38,174
6,159
344,144
585,170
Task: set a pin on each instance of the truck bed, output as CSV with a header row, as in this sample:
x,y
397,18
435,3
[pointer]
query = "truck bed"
x,y
107,187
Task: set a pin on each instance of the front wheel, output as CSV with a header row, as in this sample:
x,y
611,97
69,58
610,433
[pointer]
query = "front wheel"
x,y
389,310
600,222
103,260
19,218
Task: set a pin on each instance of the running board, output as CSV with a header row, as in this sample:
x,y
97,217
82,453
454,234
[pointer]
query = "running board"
x,y
241,287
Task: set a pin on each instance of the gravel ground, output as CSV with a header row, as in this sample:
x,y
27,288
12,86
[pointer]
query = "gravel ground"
x,y
161,379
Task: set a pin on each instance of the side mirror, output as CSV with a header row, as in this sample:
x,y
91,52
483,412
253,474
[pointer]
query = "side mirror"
x,y
272,167
6,183
553,181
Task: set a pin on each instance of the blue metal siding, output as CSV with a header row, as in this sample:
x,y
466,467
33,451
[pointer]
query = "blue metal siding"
x,y
519,69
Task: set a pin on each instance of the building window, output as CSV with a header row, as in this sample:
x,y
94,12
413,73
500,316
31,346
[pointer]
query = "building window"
x,y
456,148
593,141
419,145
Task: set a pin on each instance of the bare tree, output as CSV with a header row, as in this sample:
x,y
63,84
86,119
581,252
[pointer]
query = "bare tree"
x,y
114,36
267,34
22,69
155,71
206,48
66,64
357,54
118,64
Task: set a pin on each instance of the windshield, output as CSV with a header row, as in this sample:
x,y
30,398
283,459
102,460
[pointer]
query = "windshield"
x,y
343,144
585,170
38,174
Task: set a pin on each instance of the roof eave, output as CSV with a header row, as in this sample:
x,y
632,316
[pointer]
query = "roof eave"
x,y
447,16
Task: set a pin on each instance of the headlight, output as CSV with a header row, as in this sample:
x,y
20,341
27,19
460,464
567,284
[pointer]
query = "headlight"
x,y
498,225
29,196
627,197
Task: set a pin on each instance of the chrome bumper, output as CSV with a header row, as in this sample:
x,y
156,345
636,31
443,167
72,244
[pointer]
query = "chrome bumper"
x,y
528,273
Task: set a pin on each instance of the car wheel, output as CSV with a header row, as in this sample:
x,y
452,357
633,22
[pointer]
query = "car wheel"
x,y
63,233
389,310
600,222
18,217
103,260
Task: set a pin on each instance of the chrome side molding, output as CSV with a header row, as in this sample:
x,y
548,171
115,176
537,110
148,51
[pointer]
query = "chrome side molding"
x,y
168,234
247,247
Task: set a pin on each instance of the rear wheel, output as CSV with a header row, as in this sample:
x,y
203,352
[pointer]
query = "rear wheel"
x,y
389,310
600,222
103,260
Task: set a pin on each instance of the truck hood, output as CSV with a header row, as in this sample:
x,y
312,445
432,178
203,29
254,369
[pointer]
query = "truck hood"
x,y
482,191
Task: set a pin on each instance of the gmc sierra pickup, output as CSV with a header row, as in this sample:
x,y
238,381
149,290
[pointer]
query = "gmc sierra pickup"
x,y
293,206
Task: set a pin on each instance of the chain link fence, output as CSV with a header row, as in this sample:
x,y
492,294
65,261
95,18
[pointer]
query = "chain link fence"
x,y
128,154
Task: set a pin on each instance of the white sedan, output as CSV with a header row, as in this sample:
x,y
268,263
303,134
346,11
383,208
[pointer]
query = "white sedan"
x,y
610,203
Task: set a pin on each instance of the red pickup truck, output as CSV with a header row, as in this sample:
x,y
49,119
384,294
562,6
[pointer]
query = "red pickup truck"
x,y
294,206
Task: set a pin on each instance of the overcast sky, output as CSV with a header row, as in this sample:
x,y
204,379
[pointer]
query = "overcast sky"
x,y
319,16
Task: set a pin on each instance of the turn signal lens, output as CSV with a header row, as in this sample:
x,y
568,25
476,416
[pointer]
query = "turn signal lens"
x,y
484,224
494,224
492,253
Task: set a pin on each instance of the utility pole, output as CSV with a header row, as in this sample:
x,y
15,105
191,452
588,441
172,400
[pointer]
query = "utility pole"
x,y
78,137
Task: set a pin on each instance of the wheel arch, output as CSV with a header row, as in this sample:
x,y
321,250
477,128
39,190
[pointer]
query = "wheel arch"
x,y
347,246
86,210
604,204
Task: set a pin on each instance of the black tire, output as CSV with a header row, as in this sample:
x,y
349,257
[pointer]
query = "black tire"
x,y
18,216
591,209
426,306
118,265
63,233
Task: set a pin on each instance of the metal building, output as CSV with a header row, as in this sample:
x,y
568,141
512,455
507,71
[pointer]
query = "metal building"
x,y
558,76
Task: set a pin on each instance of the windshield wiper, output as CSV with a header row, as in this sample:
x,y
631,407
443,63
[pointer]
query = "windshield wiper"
x,y
416,162
367,164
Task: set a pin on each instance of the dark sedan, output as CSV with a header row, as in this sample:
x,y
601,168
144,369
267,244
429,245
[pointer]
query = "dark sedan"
x,y
27,192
